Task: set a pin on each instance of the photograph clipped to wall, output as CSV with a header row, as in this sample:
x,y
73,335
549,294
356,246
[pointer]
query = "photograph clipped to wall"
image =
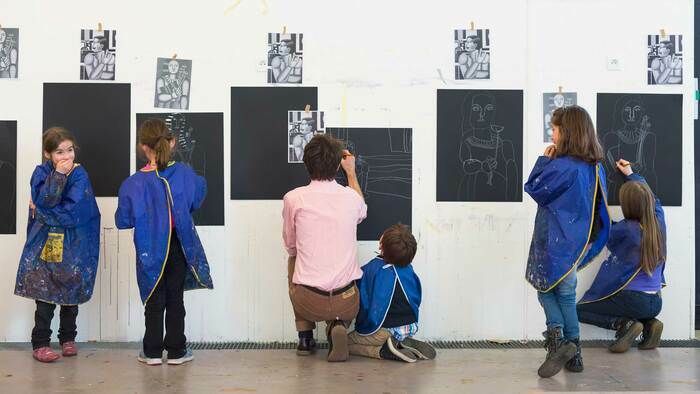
x,y
173,78
550,102
285,54
472,54
98,52
665,59
301,128
9,52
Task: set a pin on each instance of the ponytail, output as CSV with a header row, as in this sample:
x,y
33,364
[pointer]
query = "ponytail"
x,y
154,133
638,203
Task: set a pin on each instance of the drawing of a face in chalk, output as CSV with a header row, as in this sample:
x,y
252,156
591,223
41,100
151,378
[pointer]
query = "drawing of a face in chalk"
x,y
487,160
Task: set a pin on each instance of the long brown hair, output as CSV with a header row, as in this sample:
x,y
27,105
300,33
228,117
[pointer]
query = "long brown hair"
x,y
577,135
154,134
53,137
638,203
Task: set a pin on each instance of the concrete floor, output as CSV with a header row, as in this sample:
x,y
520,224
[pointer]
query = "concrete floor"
x,y
100,369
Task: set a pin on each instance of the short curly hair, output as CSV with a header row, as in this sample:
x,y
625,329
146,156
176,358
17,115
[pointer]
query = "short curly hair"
x,y
322,156
398,245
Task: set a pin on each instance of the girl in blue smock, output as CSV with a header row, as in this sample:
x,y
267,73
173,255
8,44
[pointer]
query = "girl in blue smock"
x,y
157,202
59,260
571,227
626,294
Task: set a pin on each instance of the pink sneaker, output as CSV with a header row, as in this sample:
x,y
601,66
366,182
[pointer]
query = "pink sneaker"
x,y
45,355
69,349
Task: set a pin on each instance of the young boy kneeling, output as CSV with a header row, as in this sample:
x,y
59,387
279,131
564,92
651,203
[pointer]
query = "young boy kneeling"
x,y
390,294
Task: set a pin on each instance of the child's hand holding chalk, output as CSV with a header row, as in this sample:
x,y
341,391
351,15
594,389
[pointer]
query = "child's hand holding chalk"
x,y
624,166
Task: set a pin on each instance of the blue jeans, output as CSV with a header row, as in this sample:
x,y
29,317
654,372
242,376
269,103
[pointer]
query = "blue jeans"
x,y
627,304
559,306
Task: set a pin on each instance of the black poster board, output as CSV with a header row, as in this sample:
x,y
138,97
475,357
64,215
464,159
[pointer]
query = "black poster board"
x,y
645,129
259,141
8,177
479,145
383,160
99,116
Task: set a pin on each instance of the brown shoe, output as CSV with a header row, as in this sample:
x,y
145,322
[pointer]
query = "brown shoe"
x,y
337,342
627,332
651,336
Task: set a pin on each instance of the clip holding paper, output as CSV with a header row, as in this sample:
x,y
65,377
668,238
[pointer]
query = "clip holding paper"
x,y
99,27
471,25
560,89
307,109
663,34
174,56
284,29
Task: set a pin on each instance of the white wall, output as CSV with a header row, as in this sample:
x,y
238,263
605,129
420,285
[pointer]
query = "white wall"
x,y
376,64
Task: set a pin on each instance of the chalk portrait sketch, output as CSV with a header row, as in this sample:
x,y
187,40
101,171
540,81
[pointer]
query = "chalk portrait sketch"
x,y
285,54
472,57
380,173
9,52
173,78
550,102
488,160
98,51
633,139
301,128
665,60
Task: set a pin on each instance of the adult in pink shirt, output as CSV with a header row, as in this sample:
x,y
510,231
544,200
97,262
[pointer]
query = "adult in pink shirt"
x,y
320,235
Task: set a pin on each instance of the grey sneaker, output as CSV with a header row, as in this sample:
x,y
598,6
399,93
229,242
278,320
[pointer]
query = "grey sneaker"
x,y
423,350
148,360
187,357
391,350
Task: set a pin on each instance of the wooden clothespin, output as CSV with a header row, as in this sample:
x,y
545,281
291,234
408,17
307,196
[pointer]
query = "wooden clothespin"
x,y
174,56
471,25
284,29
663,34
308,108
560,89
99,27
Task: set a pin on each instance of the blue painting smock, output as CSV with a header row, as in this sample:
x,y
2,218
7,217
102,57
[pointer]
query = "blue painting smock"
x,y
148,201
377,285
622,265
571,198
59,260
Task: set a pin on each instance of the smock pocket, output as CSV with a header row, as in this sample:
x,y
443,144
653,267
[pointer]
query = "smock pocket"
x,y
52,252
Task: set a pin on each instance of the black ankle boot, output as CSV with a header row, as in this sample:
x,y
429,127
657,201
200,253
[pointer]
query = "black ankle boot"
x,y
559,351
307,344
575,364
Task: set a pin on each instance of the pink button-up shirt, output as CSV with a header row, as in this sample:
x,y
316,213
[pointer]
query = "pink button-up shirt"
x,y
320,229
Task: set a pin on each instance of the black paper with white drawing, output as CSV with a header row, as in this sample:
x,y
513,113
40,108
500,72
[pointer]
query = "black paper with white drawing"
x,y
199,140
98,52
479,145
173,83
383,162
472,54
646,130
285,53
301,128
550,102
9,52
665,60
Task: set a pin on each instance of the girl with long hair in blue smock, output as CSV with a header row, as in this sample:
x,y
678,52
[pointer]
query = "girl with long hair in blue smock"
x,y
59,260
626,294
157,202
571,227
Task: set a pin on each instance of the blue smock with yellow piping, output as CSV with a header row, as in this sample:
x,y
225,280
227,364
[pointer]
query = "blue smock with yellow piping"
x,y
147,199
60,256
622,265
566,190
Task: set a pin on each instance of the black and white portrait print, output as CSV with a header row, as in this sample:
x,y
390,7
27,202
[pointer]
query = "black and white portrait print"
x,y
173,78
98,51
301,128
550,102
9,52
472,56
665,60
284,58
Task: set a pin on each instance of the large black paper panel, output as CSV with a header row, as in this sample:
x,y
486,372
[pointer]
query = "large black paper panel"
x,y
200,143
383,158
99,115
645,129
479,145
8,177
259,141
